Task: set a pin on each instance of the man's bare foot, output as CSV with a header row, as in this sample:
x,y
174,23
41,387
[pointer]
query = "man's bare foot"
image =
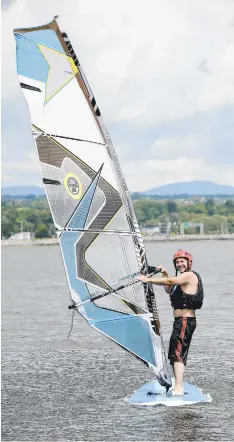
x,y
176,392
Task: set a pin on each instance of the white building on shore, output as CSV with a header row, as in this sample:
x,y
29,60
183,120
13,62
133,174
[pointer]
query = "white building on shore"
x,y
22,236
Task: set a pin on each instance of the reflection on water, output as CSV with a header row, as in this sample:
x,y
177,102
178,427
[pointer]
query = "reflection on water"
x,y
57,389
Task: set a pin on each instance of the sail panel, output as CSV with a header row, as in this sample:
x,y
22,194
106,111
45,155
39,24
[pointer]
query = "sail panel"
x,y
66,190
30,60
90,153
102,274
132,333
46,37
113,300
68,241
63,112
80,215
58,72
77,177
114,264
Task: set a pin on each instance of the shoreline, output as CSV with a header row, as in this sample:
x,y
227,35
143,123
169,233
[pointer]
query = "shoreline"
x,y
162,238
168,238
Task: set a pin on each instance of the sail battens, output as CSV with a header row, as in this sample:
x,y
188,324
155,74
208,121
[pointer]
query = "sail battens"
x,y
32,88
103,232
99,236
72,138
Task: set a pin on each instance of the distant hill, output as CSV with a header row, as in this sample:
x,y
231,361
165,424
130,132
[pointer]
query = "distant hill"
x,y
22,191
182,188
191,188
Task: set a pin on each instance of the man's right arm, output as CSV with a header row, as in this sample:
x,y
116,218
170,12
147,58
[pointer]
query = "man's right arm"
x,y
164,273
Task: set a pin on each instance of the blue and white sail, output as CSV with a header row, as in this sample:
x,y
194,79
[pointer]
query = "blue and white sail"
x,y
92,211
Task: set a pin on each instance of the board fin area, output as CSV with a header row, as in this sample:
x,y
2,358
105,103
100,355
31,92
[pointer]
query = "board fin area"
x,y
153,393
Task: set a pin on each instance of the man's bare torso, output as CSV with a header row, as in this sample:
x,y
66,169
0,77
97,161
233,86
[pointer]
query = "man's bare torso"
x,y
191,289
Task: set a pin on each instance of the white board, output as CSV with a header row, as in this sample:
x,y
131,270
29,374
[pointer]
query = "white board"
x,y
154,394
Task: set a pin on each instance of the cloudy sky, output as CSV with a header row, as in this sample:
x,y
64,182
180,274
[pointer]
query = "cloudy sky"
x,y
162,72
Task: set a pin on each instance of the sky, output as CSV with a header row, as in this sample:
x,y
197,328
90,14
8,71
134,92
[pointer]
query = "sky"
x,y
162,72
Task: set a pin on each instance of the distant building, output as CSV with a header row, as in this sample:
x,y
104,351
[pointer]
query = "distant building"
x,y
150,230
22,236
187,224
160,229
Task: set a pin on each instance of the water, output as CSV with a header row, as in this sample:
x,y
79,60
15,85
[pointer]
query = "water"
x,y
54,389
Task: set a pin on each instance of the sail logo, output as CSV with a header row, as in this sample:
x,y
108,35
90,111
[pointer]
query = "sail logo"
x,y
73,185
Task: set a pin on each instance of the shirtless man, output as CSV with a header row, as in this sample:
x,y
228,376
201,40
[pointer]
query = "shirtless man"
x,y
186,294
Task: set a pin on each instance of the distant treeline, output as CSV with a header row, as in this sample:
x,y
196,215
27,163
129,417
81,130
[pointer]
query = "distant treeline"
x,y
184,196
209,212
28,215
33,215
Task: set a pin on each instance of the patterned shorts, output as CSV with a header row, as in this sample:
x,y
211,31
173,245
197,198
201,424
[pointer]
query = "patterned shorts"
x,y
182,333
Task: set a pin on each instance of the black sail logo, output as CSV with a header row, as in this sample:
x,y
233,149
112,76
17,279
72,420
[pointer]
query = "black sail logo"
x,y
73,185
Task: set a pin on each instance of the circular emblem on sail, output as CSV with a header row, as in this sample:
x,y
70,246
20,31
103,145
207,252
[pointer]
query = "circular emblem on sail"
x,y
73,185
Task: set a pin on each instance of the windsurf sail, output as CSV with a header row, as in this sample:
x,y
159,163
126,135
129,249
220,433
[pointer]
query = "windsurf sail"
x,y
99,236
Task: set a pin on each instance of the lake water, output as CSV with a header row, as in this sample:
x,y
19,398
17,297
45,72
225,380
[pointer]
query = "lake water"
x,y
55,389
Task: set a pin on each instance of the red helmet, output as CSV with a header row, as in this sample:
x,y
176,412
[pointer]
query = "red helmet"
x,y
183,254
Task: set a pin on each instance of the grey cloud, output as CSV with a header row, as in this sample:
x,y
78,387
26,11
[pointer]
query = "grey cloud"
x,y
216,130
213,132
16,130
6,4
203,67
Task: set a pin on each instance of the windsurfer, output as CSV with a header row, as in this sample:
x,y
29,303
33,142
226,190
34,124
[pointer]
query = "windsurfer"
x,y
186,295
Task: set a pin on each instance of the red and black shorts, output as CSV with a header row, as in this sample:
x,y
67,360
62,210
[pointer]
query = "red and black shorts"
x,y
182,333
